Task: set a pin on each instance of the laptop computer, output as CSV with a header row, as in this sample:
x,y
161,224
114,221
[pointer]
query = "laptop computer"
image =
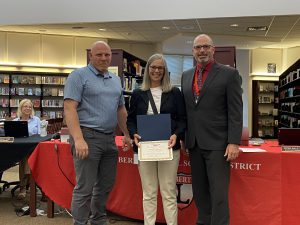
x,y
16,128
289,136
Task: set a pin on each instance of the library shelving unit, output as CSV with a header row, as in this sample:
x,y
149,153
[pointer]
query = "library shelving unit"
x,y
45,90
265,109
289,97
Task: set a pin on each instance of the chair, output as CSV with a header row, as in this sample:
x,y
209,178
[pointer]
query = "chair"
x,y
3,182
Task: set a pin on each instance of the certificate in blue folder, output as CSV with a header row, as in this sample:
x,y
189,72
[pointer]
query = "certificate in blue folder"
x,y
154,127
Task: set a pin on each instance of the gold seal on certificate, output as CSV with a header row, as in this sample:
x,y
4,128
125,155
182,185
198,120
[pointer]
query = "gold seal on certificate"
x,y
154,151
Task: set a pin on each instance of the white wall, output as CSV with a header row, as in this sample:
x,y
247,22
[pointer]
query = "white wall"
x,y
262,56
70,11
56,50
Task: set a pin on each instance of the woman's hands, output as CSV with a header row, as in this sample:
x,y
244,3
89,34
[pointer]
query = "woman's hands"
x,y
136,139
172,141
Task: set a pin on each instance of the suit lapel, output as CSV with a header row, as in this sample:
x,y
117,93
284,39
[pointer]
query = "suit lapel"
x,y
164,98
145,97
189,81
209,79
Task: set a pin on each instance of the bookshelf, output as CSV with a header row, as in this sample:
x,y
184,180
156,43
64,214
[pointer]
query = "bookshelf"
x,y
45,90
265,109
289,97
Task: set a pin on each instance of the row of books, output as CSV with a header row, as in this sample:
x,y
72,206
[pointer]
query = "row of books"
x,y
54,80
25,91
53,114
24,79
53,92
16,102
53,103
131,83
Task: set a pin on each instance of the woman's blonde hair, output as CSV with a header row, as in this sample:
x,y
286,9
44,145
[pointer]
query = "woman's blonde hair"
x,y
19,111
165,82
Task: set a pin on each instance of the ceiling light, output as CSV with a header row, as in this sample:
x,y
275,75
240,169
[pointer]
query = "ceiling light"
x,y
234,25
259,28
165,28
102,29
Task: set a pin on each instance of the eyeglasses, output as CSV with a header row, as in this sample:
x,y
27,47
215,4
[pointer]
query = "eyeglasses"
x,y
160,68
205,47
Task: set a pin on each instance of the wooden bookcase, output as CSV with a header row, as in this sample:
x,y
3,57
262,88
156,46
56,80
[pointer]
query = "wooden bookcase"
x,y
45,90
289,97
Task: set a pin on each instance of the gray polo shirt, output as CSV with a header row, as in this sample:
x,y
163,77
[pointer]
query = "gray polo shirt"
x,y
99,97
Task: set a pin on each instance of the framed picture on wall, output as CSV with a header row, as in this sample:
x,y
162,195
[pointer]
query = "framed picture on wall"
x,y
271,67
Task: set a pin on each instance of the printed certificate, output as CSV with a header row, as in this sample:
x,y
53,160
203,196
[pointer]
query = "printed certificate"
x,y
154,151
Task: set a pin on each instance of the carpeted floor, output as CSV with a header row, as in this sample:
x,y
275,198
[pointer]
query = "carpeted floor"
x,y
8,205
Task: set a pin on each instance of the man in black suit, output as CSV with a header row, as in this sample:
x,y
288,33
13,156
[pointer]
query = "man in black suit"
x,y
213,99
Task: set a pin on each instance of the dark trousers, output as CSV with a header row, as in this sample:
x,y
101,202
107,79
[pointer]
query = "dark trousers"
x,y
210,182
95,177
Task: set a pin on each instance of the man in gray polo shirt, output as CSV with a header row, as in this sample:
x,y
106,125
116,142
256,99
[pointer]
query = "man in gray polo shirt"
x,y
93,106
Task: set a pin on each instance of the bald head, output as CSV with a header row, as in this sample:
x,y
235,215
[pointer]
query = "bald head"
x,y
203,49
99,44
204,37
100,56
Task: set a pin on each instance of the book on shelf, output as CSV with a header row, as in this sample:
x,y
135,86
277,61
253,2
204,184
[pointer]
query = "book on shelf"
x,y
37,113
13,114
51,114
29,91
38,80
13,91
21,91
60,92
24,79
6,79
4,102
38,91
36,103
54,92
31,80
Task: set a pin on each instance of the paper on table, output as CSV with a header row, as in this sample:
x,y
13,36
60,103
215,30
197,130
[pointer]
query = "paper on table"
x,y
252,150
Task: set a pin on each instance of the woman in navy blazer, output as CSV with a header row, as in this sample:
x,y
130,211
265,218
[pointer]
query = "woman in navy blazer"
x,y
168,100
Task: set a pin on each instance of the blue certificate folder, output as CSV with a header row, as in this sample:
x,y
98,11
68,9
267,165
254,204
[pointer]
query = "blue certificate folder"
x,y
154,127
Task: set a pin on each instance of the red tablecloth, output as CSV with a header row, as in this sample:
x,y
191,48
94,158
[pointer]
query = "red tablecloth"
x,y
264,187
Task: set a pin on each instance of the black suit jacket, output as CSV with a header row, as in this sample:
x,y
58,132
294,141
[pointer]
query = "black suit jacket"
x,y
216,120
171,103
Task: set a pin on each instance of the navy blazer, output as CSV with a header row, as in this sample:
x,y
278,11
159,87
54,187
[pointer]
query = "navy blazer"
x,y
171,103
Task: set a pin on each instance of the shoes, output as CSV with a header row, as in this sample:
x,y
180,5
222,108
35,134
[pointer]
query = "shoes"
x,y
22,194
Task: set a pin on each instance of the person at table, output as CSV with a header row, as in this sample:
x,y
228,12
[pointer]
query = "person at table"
x,y
168,100
25,112
213,99
93,106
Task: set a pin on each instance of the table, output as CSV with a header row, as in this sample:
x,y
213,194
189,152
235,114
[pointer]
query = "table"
x,y
264,187
11,153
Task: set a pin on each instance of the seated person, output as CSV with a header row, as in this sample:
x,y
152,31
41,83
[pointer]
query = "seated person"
x,y
25,112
